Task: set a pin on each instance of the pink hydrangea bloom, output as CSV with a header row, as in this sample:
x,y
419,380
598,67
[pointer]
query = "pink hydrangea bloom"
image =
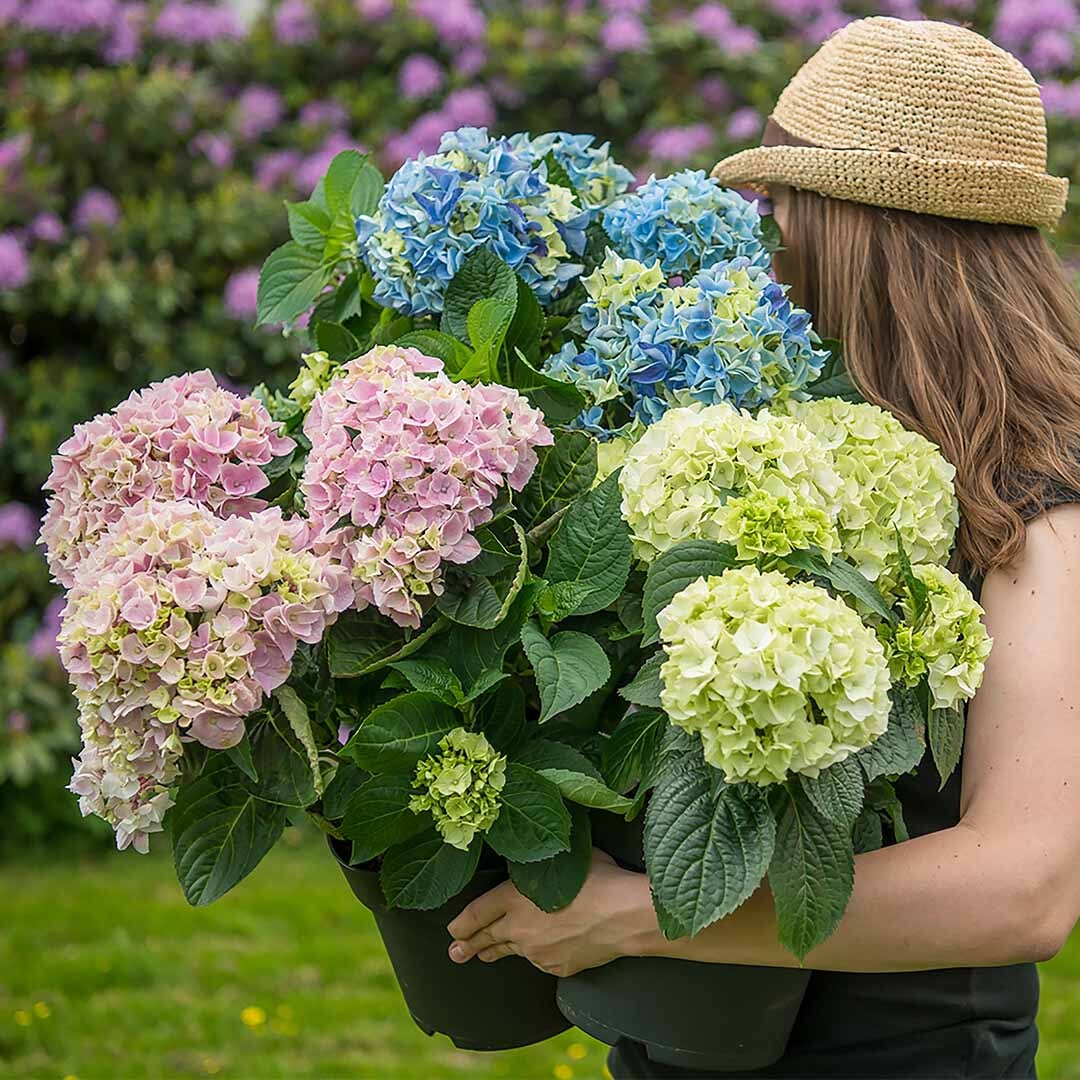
x,y
241,293
176,627
413,461
183,438
420,76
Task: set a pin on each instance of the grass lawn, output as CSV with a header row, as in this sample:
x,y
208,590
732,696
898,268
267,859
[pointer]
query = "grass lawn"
x,y
107,974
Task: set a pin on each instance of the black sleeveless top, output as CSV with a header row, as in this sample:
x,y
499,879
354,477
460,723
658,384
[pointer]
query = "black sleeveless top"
x,y
953,1024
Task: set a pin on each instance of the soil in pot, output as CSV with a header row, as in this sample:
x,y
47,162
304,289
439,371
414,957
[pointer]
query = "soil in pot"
x,y
712,1017
478,1006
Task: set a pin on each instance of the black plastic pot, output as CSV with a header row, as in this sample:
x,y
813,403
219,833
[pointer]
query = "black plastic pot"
x,y
712,1017
478,1006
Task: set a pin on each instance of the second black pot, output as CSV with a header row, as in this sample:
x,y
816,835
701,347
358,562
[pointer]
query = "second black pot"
x,y
712,1017
478,1006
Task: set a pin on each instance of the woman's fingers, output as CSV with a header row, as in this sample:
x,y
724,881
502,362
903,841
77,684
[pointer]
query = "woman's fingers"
x,y
496,952
489,937
483,911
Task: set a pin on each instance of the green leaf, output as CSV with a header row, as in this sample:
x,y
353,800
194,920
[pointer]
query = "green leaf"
x,y
771,240
811,873
334,340
378,816
901,748
533,823
480,601
557,174
558,401
297,714
282,763
843,577
501,717
676,568
630,753
568,668
838,791
344,303
366,192
557,602
527,329
487,324
645,688
449,350
592,547
553,883
341,178
432,676
240,756
483,276
363,642
308,224
707,844
867,835
395,736
564,471
424,873
289,281
920,595
346,779
587,790
945,728
220,832
543,754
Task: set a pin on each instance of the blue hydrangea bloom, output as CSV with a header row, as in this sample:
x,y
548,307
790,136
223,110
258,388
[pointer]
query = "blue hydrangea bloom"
x,y
687,222
731,334
479,191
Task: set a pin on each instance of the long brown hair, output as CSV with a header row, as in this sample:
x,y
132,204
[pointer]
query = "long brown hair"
x,y
969,333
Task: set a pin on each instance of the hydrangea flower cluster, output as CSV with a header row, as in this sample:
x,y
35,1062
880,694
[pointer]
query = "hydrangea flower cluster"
x,y
948,643
776,677
716,473
460,786
183,438
176,626
731,334
479,191
686,222
404,468
895,481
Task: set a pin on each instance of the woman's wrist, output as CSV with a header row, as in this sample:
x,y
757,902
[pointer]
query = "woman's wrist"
x,y
640,931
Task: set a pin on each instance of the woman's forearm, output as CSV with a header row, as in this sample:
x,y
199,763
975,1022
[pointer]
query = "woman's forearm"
x,y
943,900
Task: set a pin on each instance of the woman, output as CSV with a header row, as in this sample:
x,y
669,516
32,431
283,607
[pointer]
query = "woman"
x,y
907,165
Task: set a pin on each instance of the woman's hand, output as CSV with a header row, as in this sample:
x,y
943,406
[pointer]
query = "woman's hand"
x,y
612,916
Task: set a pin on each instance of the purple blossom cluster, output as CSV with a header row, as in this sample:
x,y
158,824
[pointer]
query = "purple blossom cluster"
x,y
412,462
196,22
175,628
469,107
183,438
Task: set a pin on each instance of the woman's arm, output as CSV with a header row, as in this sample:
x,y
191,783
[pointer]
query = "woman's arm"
x,y
1001,887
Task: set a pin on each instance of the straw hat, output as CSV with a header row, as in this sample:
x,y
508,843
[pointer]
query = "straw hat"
x,y
921,116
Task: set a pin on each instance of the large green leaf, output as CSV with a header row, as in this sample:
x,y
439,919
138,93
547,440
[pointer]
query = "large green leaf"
x,y
838,791
533,822
432,676
676,568
363,642
378,816
297,714
289,281
541,754
564,471
308,224
901,748
395,736
843,577
334,340
424,872
631,751
528,326
220,832
352,184
812,870
346,779
484,601
484,276
592,547
707,844
282,764
587,791
449,350
553,883
645,688
568,667
501,716
945,728
558,401
487,322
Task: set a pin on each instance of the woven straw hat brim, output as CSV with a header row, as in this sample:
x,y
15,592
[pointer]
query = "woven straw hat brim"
x,y
998,192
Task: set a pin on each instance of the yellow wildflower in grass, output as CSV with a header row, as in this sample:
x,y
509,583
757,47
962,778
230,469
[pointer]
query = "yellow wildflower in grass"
x,y
253,1017
23,1018
42,1010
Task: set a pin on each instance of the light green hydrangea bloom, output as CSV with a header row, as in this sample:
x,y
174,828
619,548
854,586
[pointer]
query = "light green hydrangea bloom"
x,y
894,479
611,454
949,644
314,377
460,786
681,474
776,677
